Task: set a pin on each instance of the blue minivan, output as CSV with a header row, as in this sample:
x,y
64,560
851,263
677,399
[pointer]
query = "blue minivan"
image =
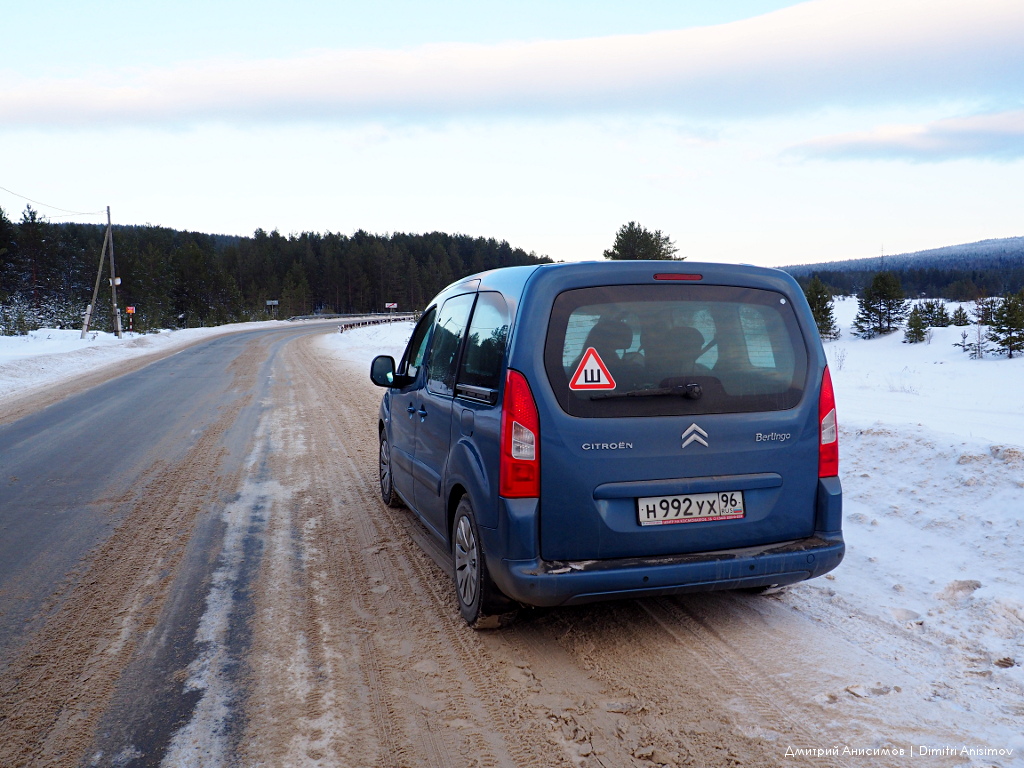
x,y
592,431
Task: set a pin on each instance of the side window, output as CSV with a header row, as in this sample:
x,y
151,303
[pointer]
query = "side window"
x,y
444,347
485,346
417,347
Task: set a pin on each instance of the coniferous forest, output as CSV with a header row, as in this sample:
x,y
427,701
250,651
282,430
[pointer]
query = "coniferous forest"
x,y
178,279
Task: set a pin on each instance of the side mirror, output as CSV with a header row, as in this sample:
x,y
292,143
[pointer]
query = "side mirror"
x,y
382,371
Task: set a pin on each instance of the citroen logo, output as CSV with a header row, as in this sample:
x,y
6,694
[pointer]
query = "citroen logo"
x,y
694,434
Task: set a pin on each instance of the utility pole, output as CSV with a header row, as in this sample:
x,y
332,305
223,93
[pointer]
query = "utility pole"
x,y
108,242
114,280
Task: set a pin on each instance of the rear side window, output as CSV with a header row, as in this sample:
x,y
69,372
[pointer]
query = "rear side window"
x,y
480,371
444,346
674,350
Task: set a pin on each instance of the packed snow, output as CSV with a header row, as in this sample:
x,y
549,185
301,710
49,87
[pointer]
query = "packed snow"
x,y
932,463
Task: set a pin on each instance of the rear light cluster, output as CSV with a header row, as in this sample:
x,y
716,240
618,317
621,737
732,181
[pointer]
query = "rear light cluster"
x,y
519,465
828,428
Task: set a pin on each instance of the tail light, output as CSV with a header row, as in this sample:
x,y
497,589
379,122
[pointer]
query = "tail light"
x,y
828,429
519,465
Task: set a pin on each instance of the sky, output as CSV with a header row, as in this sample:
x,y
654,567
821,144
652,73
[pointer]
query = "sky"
x,y
755,131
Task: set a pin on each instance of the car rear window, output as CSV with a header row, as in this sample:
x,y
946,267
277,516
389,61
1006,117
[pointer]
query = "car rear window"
x,y
659,350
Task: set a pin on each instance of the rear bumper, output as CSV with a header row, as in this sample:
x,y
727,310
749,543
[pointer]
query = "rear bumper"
x,y
550,583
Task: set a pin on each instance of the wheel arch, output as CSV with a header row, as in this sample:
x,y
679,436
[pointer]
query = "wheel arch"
x,y
454,497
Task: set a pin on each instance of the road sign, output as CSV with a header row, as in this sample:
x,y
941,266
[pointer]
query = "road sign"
x,y
391,305
130,310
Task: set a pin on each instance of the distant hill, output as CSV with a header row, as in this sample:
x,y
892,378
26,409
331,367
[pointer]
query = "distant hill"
x,y
1007,251
957,272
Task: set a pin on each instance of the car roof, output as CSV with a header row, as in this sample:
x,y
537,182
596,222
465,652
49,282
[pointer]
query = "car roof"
x,y
512,280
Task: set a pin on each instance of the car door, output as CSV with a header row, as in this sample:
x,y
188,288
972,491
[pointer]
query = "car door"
x,y
404,405
434,409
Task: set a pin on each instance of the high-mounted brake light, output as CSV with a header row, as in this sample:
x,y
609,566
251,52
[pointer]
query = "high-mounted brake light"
x,y
828,429
519,463
677,276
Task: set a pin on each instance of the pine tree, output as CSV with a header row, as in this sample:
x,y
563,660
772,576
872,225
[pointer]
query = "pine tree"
x,y
295,293
980,345
933,313
960,318
881,306
8,277
820,299
633,242
984,310
917,329
1007,328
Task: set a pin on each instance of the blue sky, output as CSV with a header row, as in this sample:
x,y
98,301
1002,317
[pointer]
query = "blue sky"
x,y
754,131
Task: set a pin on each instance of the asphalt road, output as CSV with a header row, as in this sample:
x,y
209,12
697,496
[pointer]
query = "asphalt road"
x,y
110,506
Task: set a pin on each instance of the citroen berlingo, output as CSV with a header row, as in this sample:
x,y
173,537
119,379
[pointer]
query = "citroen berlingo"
x,y
592,431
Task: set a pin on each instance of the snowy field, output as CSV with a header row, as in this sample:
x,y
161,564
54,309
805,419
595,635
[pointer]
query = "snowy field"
x,y
932,463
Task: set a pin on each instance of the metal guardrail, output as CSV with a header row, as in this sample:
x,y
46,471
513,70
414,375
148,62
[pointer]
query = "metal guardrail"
x,y
355,321
360,315
362,322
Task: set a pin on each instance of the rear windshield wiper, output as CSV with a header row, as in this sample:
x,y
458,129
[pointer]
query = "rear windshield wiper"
x,y
689,391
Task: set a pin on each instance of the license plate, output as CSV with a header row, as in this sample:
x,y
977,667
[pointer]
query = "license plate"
x,y
690,508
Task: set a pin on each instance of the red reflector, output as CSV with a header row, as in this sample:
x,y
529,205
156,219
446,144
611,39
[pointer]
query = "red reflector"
x,y
676,276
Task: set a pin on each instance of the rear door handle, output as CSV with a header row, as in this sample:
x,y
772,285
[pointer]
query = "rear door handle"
x,y
423,413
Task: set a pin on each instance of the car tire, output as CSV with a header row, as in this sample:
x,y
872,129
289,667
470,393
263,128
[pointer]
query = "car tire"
x,y
387,485
480,602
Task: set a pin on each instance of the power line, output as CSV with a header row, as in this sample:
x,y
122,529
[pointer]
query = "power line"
x,y
56,208
69,215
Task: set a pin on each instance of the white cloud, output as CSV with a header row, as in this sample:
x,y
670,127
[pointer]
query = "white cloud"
x,y
998,136
849,52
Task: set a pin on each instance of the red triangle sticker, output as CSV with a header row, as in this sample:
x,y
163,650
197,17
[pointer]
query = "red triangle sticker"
x,y
592,373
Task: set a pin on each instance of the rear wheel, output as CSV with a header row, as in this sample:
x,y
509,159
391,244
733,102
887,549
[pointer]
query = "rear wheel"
x,y
387,485
481,603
